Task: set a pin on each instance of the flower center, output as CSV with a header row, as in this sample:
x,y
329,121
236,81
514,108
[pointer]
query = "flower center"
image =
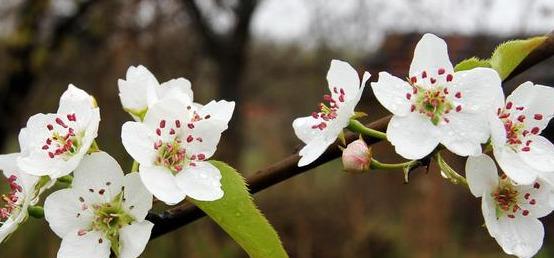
x,y
516,128
508,199
9,202
110,217
173,154
435,101
64,142
329,112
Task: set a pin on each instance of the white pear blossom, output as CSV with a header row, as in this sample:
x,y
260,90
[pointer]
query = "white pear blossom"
x,y
522,153
437,105
322,128
54,144
172,146
511,211
24,191
141,90
103,210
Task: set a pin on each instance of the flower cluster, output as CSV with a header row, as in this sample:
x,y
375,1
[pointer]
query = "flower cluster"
x,y
439,108
100,212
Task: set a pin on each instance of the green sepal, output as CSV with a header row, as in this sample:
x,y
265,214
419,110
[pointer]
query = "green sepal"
x,y
471,63
237,214
358,114
137,113
448,172
36,212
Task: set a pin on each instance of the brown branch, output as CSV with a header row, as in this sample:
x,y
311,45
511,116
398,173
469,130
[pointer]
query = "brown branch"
x,y
287,168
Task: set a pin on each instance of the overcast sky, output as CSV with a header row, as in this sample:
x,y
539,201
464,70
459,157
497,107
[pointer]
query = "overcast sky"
x,y
355,20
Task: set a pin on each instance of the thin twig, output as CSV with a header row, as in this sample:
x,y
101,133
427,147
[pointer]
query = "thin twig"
x,y
280,171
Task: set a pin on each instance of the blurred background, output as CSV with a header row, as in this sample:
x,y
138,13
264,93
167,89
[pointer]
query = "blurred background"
x,y
271,56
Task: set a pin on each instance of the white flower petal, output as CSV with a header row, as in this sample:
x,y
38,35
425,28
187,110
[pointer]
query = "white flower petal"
x,y
536,99
481,174
179,87
538,203
464,133
205,137
480,88
392,93
169,109
219,110
514,167
64,213
8,227
138,201
521,236
85,246
75,100
138,90
498,132
138,141
342,76
133,239
313,150
8,165
303,128
100,173
162,184
413,136
201,182
488,207
541,154
430,54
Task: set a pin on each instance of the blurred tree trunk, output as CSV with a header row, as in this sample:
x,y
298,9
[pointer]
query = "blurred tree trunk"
x,y
28,55
228,52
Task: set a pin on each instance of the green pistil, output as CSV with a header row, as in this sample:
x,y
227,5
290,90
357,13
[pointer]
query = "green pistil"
x,y
171,155
433,103
505,198
110,218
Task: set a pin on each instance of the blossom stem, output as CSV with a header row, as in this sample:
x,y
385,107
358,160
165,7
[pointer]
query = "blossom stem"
x,y
449,173
36,212
135,166
358,127
375,164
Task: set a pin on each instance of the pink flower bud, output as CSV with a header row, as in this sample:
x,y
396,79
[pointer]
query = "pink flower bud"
x,y
356,157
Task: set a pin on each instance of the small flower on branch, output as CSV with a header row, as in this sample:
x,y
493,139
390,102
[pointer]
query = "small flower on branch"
x,y
323,127
103,211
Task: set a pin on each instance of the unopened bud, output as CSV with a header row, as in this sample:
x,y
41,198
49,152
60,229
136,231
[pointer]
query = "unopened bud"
x,y
356,158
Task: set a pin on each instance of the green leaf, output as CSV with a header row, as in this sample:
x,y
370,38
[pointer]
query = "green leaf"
x,y
237,214
509,54
471,63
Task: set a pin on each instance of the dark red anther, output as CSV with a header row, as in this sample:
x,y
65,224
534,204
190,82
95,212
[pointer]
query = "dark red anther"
x,y
458,94
177,123
50,127
158,131
190,138
509,105
449,77
538,116
535,130
441,71
162,124
424,74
